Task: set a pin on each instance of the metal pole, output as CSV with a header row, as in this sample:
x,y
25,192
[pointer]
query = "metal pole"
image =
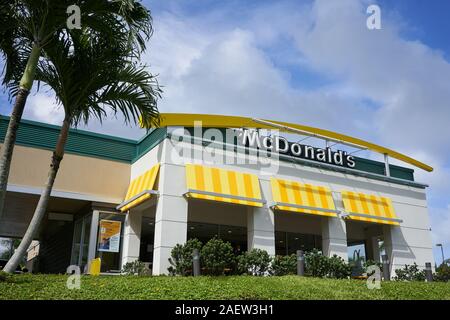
x,y
428,272
386,272
196,262
442,251
300,263
387,170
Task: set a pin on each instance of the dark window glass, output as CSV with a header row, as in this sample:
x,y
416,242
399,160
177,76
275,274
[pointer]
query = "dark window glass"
x,y
287,243
237,236
147,240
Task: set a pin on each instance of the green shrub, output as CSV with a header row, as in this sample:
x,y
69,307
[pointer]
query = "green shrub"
x,y
216,256
6,277
181,257
409,273
316,264
338,268
134,268
255,262
284,265
442,273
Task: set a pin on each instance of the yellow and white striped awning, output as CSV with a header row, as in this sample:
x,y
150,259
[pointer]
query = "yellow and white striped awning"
x,y
140,189
369,208
223,185
304,198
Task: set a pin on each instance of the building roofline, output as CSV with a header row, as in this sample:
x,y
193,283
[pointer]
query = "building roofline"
x,y
85,143
223,121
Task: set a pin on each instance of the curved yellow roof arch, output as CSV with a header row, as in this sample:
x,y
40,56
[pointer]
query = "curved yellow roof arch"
x,y
221,121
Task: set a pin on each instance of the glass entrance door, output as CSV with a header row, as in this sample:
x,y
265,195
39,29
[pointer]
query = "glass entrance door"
x,y
80,244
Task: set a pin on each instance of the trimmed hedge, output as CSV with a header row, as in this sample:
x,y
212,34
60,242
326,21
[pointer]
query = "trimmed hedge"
x,y
318,265
284,265
217,256
255,262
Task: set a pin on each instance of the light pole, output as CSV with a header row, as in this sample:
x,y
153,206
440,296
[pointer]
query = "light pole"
x,y
442,251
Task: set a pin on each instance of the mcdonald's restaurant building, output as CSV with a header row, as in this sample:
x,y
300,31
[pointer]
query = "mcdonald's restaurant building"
x,y
123,200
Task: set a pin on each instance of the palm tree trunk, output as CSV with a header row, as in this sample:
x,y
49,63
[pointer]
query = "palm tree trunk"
x,y
43,200
6,151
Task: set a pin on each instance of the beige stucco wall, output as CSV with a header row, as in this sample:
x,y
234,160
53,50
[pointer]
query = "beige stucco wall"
x,y
86,176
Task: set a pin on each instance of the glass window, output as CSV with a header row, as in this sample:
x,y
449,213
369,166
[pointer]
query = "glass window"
x,y
147,239
87,220
110,261
237,236
76,244
80,243
7,247
287,243
356,257
280,243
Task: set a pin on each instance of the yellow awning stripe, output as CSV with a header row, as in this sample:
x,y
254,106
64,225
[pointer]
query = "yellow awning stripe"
x,y
142,183
304,198
223,185
369,208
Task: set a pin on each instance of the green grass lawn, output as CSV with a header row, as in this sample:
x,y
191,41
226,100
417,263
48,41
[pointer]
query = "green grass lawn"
x,y
232,287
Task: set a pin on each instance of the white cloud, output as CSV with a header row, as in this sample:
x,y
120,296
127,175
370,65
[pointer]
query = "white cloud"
x,y
42,107
409,80
226,71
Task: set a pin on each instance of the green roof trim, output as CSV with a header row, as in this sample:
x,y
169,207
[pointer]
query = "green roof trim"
x,y
377,167
81,142
149,141
90,144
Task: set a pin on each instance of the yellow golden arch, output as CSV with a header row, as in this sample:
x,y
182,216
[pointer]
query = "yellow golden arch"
x,y
222,121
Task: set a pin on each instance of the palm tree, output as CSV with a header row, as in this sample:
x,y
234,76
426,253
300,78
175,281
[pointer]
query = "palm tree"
x,y
88,77
28,27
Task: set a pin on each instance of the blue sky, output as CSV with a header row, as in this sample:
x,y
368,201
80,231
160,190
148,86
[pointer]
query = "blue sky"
x,y
312,62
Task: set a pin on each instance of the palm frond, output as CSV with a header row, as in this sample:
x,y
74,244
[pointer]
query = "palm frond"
x,y
120,25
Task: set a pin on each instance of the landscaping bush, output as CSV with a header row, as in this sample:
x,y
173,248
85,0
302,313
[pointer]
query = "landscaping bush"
x,y
255,262
284,265
409,273
216,256
5,277
338,268
181,257
442,273
316,264
134,268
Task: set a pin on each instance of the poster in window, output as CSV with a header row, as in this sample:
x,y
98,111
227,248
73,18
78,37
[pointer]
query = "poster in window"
x,y
109,236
